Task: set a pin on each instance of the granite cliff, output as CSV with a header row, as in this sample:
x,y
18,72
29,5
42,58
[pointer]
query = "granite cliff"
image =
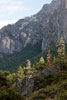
x,y
47,25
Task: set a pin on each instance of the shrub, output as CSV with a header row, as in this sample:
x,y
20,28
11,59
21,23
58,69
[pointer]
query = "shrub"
x,y
9,94
62,96
40,66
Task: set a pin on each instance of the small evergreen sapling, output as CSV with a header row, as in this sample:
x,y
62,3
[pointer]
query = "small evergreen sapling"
x,y
41,64
20,72
42,60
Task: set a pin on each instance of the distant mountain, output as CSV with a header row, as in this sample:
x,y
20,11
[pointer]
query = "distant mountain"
x,y
44,28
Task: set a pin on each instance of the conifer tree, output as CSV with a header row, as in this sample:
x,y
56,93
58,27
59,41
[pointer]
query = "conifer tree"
x,y
20,72
42,60
61,47
12,77
41,64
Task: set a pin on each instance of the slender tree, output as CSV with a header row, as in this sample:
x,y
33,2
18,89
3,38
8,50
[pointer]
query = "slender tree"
x,y
49,58
61,47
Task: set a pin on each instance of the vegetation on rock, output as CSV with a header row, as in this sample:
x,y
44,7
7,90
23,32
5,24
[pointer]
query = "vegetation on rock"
x,y
38,82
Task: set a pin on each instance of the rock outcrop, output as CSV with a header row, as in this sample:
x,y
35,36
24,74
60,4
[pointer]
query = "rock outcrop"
x,y
28,84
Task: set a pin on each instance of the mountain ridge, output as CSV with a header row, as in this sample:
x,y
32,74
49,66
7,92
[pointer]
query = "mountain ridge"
x,y
26,31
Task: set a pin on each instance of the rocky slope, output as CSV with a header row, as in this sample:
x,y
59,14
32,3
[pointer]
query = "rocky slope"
x,y
30,83
36,83
49,84
46,26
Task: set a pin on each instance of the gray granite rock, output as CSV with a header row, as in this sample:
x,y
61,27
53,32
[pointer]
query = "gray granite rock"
x,y
47,26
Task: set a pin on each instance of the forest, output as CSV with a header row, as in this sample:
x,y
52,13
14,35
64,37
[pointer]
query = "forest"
x,y
44,79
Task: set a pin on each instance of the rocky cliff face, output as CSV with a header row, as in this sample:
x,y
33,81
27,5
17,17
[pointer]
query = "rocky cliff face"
x,y
56,26
27,85
46,26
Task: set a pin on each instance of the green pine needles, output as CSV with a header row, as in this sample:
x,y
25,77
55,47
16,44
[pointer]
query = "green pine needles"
x,y
61,47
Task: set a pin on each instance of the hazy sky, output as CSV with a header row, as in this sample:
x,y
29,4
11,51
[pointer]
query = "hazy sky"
x,y
13,10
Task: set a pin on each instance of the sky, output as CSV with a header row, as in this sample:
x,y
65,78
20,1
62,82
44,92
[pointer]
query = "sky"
x,y
13,10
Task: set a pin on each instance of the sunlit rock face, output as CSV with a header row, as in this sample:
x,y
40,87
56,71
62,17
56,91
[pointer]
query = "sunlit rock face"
x,y
57,25
66,3
46,26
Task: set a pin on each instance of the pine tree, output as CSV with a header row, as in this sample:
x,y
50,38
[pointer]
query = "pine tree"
x,y
20,72
12,77
61,47
41,64
42,60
